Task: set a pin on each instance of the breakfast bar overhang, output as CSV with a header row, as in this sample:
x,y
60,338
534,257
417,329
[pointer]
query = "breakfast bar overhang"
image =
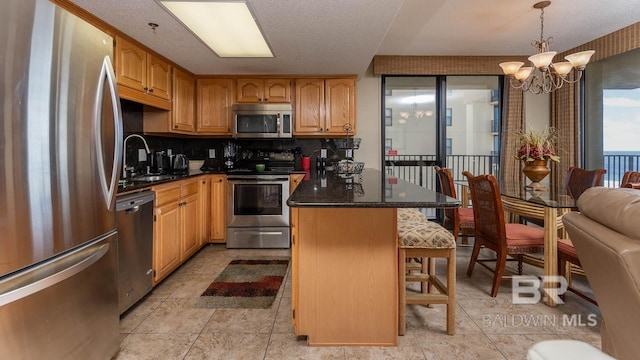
x,y
345,255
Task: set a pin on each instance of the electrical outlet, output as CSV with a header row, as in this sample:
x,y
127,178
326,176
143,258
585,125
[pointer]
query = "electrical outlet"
x,y
212,153
142,155
169,152
349,153
323,153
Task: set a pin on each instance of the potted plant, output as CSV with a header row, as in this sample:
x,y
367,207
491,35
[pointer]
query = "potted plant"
x,y
536,148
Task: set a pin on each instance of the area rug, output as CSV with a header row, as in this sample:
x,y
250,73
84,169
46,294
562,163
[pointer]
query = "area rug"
x,y
246,283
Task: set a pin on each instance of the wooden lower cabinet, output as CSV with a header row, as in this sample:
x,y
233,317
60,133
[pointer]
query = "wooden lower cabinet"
x,y
218,208
191,226
166,247
205,213
177,229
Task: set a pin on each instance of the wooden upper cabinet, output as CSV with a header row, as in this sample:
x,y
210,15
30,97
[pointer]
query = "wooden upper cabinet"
x,y
158,77
324,106
131,65
214,102
340,106
143,77
263,90
309,118
183,113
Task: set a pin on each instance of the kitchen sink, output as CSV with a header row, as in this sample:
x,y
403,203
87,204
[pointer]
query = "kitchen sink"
x,y
151,178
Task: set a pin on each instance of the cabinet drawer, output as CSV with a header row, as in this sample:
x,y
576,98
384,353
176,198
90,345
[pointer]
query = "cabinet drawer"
x,y
189,188
167,194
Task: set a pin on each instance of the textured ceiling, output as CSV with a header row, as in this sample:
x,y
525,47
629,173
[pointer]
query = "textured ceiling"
x,y
342,36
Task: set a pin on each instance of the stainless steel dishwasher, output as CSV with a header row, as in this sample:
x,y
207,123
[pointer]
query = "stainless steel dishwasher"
x,y
135,247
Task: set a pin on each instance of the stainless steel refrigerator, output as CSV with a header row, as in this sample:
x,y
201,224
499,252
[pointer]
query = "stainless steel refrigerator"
x,y
60,147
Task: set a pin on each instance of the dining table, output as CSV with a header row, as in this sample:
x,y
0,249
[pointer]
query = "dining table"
x,y
549,205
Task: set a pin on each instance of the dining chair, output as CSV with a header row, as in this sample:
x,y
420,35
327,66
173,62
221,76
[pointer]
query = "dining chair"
x,y
459,220
630,179
492,233
567,255
578,180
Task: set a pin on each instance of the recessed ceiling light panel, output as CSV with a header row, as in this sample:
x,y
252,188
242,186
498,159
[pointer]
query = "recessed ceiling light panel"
x,y
227,27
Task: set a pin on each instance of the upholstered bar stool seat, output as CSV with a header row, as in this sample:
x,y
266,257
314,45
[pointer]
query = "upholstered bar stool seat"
x,y
427,240
410,214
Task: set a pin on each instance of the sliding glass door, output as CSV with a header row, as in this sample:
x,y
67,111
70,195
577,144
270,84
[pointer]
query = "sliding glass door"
x,y
451,121
410,133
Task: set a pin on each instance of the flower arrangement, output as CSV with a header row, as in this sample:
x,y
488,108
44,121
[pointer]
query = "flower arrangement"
x,y
533,145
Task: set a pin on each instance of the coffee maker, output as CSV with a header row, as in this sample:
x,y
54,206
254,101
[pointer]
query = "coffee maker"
x,y
156,162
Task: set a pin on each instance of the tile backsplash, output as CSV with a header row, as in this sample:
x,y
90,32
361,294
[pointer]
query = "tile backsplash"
x,y
198,148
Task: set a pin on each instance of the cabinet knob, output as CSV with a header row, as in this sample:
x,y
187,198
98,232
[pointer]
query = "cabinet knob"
x,y
175,126
146,88
150,90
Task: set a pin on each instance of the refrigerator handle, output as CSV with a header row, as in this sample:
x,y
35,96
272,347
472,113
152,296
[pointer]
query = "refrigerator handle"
x,y
40,277
108,182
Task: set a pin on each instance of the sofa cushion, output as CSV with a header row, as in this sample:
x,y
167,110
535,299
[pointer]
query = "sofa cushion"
x,y
424,235
615,208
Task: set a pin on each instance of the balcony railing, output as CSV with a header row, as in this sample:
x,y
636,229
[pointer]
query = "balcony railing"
x,y
616,165
418,169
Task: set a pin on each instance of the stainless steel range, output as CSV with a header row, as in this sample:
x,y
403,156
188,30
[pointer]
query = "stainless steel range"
x,y
257,213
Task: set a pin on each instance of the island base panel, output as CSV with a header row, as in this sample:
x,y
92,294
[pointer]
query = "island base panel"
x,y
347,283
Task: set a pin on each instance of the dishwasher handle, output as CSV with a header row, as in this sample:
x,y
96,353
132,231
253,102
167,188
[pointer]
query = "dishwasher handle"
x,y
133,209
131,202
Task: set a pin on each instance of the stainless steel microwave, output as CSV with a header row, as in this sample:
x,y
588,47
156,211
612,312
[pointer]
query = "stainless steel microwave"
x,y
262,121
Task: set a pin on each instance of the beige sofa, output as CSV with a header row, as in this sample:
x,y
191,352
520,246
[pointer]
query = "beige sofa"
x,y
606,235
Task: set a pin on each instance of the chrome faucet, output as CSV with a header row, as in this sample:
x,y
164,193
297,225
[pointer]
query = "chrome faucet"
x,y
124,152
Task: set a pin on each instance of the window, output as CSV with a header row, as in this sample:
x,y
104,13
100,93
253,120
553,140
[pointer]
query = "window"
x,y
612,116
448,149
448,115
388,118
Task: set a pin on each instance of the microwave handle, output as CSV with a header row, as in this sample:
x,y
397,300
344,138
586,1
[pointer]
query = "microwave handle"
x,y
278,121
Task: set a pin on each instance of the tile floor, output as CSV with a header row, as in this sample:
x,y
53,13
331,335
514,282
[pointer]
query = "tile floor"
x,y
165,326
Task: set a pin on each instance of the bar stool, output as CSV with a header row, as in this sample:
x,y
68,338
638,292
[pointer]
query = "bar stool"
x,y
427,240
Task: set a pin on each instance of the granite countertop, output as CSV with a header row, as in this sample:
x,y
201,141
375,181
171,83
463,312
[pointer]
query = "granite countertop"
x,y
130,186
369,189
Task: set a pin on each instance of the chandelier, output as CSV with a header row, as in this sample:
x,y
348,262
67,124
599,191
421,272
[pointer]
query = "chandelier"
x,y
415,113
544,76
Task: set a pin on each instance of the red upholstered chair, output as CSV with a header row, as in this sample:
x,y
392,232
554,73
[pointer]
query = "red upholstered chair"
x,y
491,231
578,180
567,255
459,220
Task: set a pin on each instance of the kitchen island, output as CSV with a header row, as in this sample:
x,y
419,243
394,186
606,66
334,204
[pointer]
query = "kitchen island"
x,y
345,255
